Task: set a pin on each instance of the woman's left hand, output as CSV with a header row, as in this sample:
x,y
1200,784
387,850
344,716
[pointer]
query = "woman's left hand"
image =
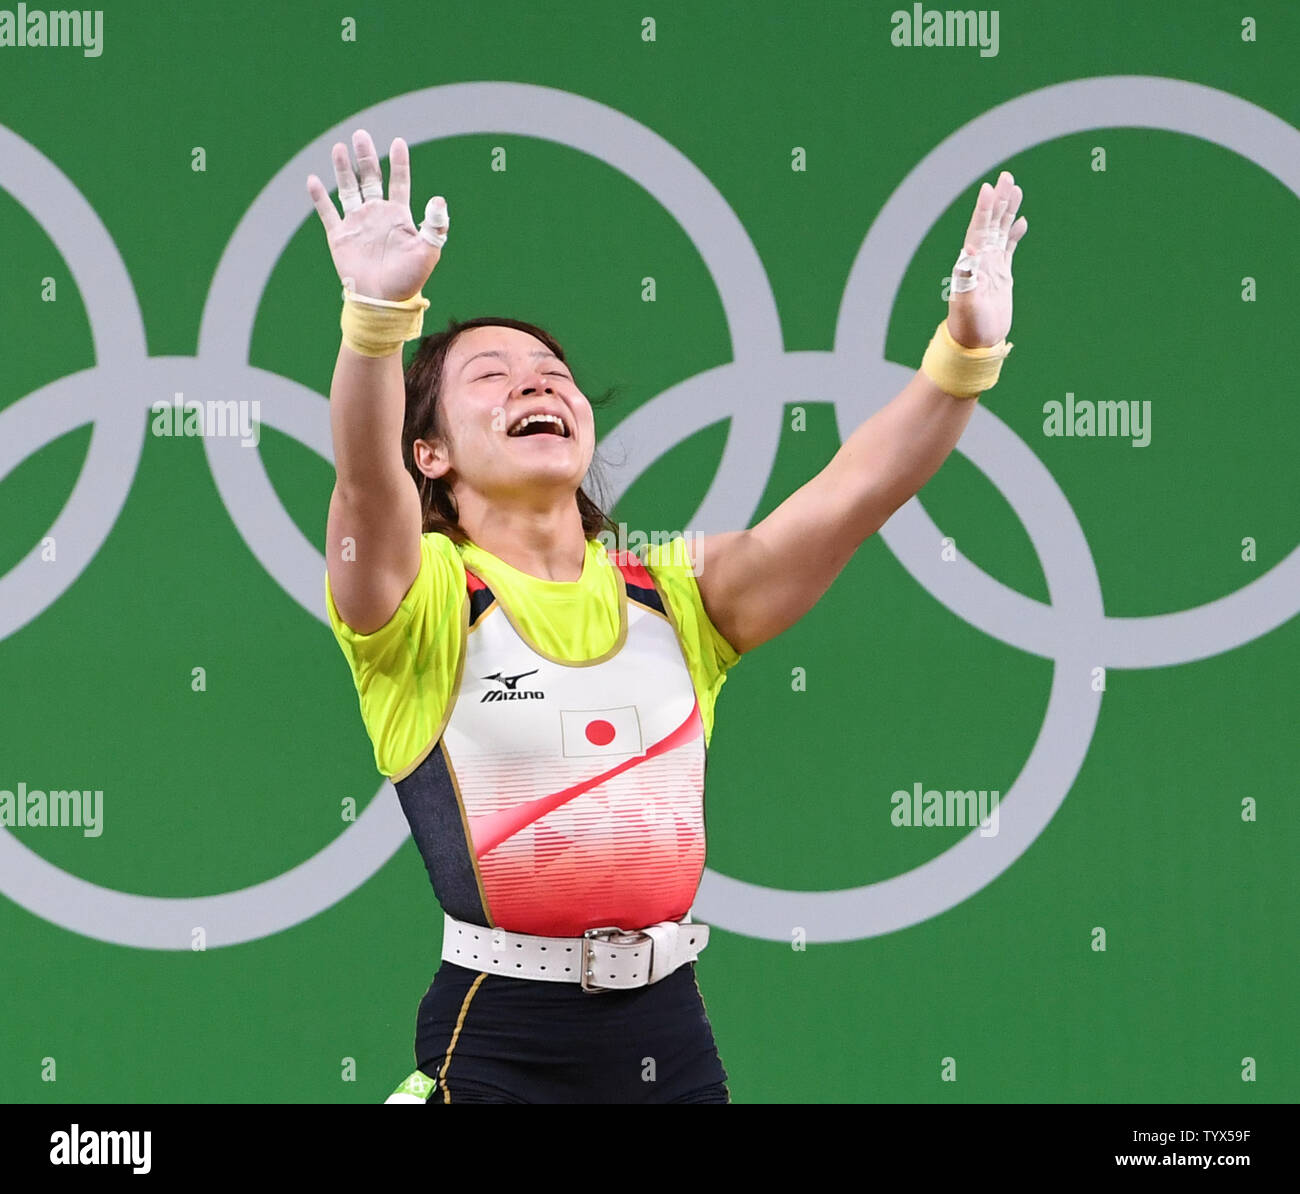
x,y
981,316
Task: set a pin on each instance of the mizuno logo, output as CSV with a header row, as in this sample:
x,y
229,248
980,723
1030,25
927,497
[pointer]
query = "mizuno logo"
x,y
511,691
510,681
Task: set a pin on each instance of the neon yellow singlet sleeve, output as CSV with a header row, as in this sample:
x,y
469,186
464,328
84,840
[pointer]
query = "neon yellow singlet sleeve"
x,y
405,672
708,655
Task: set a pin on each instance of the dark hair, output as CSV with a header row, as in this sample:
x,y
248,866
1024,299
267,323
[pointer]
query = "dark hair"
x,y
424,376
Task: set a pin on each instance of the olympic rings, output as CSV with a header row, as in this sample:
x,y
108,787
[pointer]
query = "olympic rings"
x,y
1072,629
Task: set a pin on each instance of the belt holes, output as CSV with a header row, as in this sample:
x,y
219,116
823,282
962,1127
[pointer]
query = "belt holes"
x,y
543,968
519,965
567,969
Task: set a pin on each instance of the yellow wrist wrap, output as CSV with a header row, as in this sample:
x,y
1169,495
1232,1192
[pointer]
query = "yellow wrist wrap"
x,y
379,327
960,371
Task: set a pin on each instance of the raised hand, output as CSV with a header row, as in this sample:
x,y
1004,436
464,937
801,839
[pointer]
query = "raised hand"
x,y
979,309
376,247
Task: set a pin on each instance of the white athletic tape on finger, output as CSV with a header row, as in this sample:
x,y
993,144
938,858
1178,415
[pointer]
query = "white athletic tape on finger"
x,y
349,198
372,189
995,235
995,240
995,219
436,223
965,262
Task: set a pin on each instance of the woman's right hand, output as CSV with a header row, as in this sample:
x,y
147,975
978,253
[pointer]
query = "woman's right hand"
x,y
376,247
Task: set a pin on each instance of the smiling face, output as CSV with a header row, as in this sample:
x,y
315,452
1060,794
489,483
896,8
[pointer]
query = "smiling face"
x,y
514,422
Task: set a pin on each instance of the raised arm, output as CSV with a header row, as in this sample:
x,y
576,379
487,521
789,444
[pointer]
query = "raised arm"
x,y
758,582
373,533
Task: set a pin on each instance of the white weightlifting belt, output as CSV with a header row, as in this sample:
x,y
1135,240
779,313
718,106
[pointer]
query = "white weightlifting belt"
x,y
602,959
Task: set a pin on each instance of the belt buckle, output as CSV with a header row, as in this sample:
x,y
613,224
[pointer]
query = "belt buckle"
x,y
603,933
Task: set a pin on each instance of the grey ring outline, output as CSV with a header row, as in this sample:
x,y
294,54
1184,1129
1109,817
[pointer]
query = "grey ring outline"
x,y
118,338
1063,109
1052,700
474,109
234,917
1075,617
229,918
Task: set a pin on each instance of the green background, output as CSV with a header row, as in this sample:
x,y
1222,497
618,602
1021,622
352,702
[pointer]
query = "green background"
x,y
1128,286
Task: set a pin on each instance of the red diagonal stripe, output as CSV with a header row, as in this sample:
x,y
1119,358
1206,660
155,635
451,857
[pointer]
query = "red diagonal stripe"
x,y
489,830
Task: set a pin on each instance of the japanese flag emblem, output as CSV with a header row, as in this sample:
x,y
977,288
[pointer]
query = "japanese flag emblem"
x,y
591,732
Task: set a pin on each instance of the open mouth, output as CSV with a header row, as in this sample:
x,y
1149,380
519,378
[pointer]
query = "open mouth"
x,y
539,425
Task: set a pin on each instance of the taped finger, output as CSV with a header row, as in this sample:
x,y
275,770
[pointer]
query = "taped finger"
x,y
372,177
966,273
995,236
349,192
436,223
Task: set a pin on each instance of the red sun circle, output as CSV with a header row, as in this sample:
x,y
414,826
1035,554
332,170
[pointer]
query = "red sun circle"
x,y
600,733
